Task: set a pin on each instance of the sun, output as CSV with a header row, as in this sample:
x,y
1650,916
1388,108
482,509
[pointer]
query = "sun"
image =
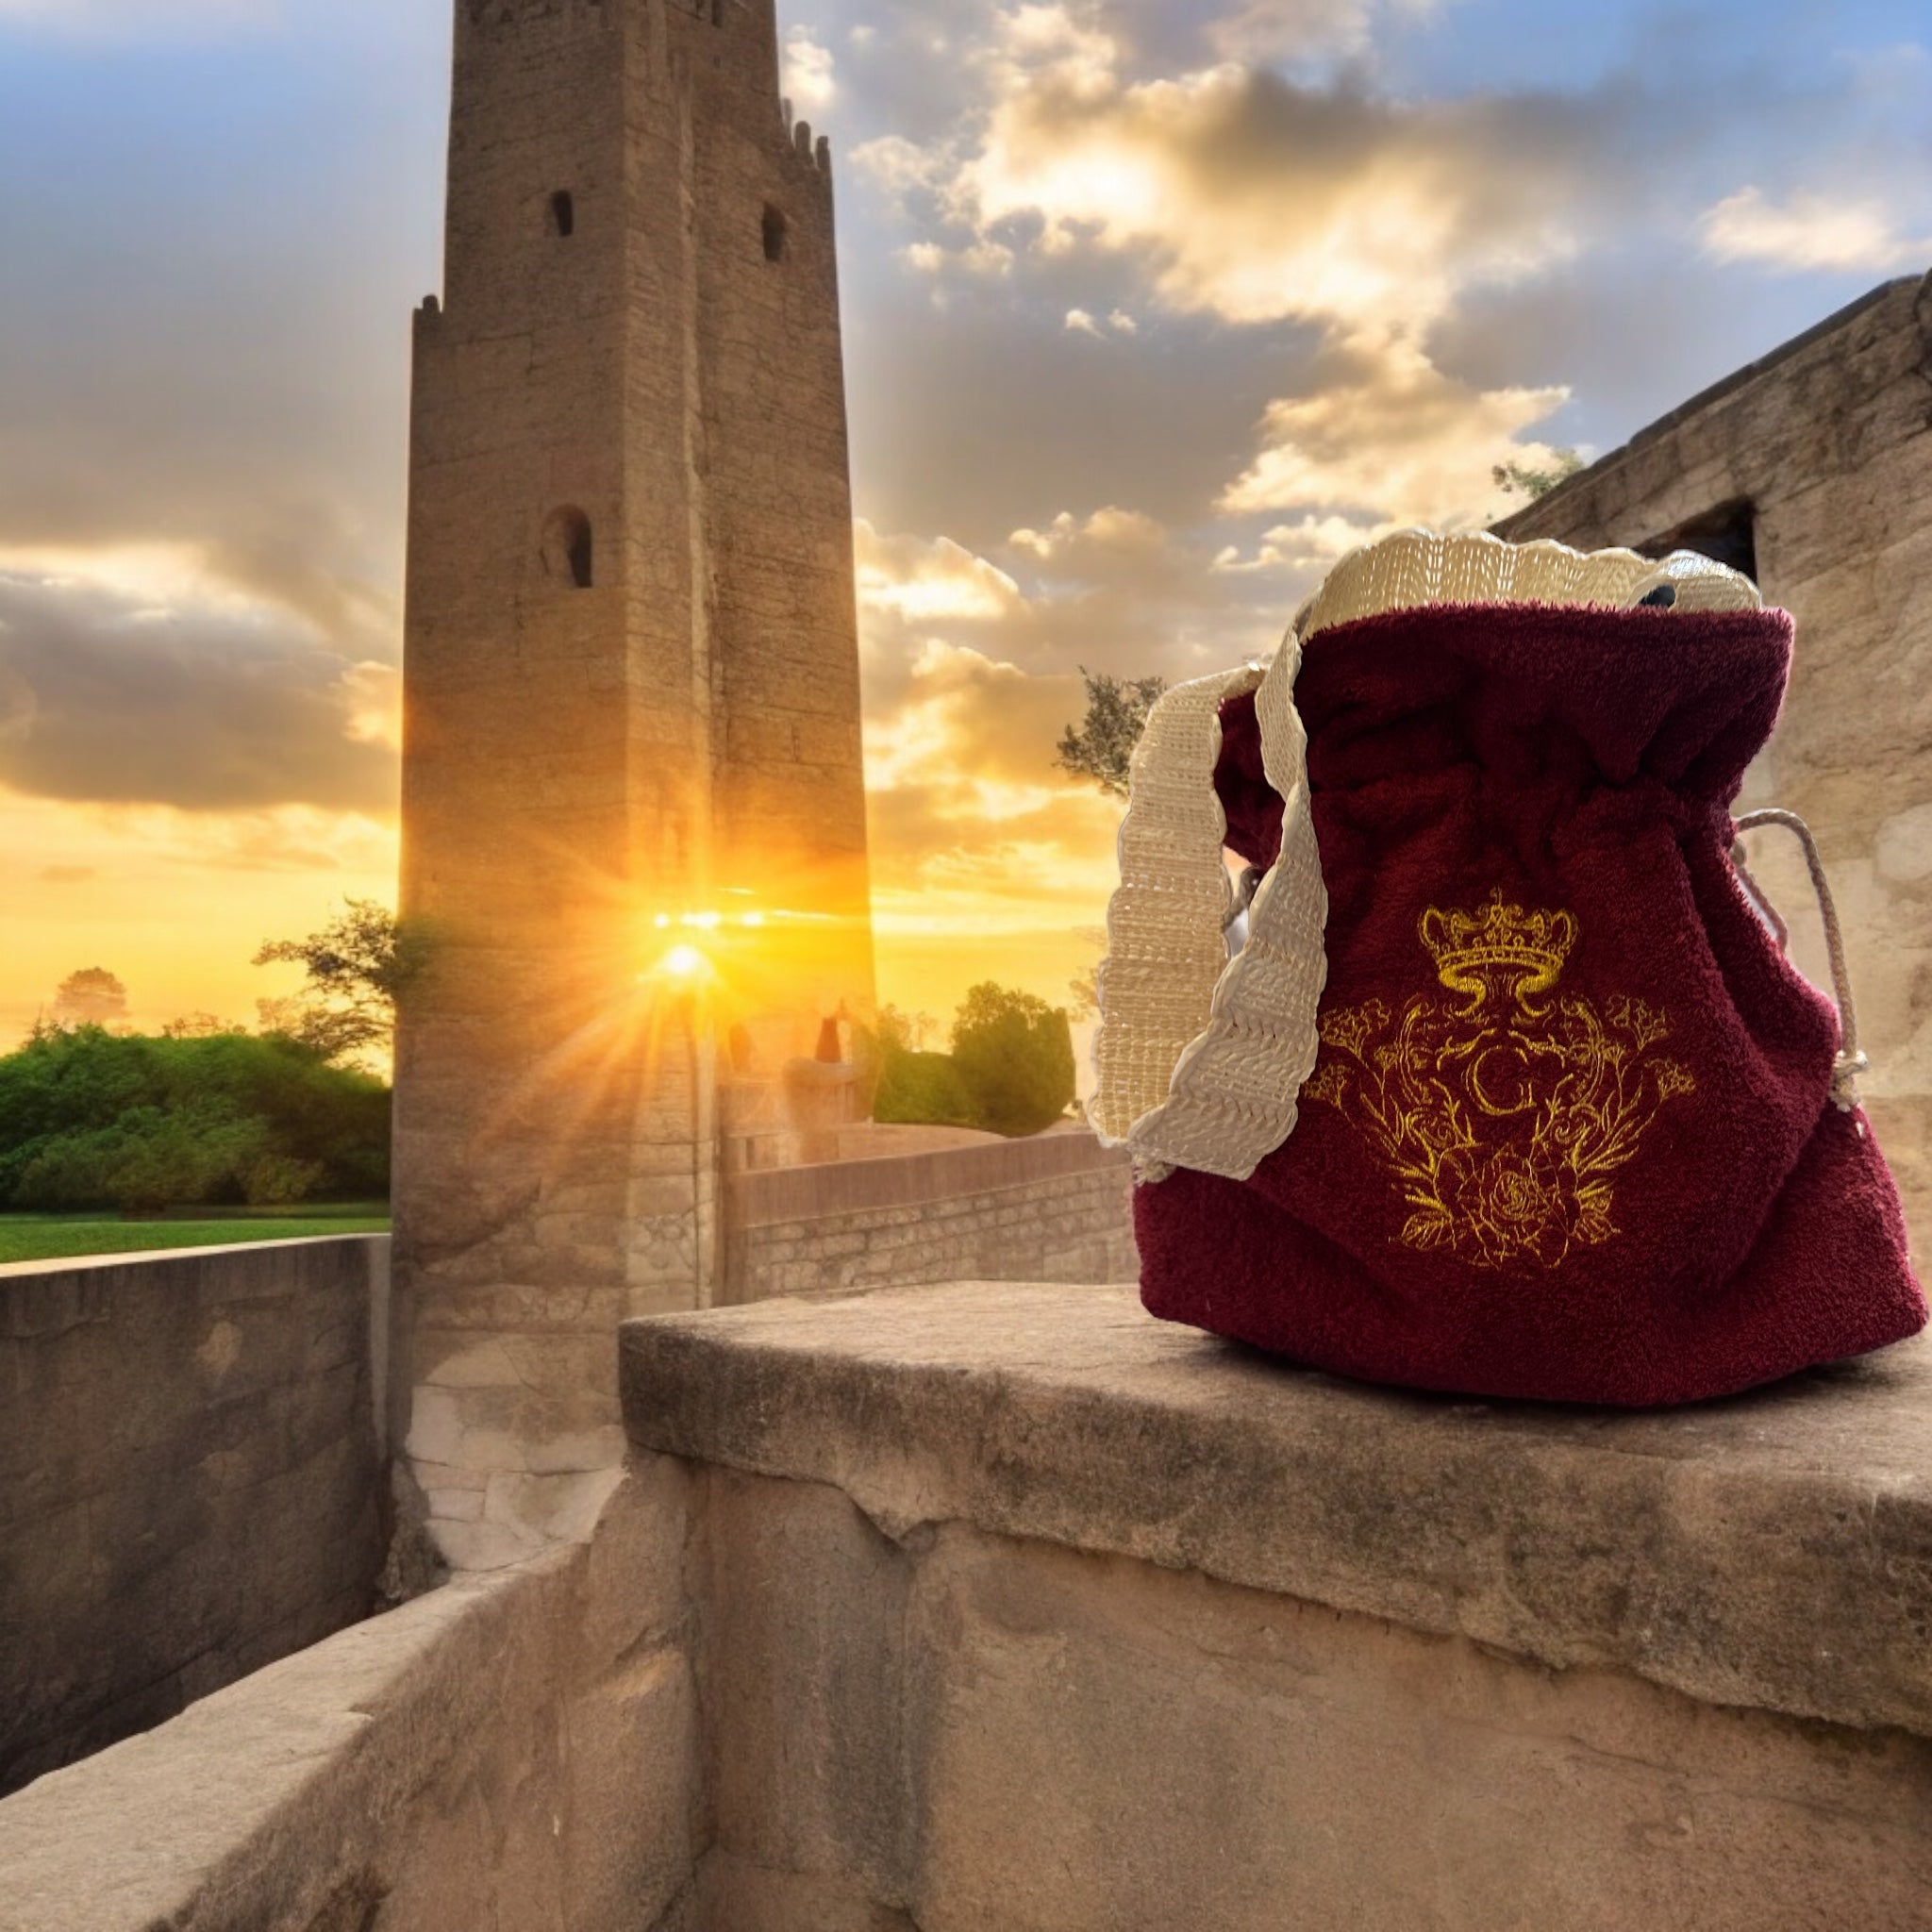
x,y
683,962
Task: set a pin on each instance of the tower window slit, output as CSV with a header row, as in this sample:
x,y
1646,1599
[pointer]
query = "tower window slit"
x,y
567,547
563,212
778,235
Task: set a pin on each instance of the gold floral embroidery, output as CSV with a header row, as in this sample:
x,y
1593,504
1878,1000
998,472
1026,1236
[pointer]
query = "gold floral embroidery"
x,y
1504,1117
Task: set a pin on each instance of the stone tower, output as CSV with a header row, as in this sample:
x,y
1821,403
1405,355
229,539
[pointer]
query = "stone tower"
x,y
633,818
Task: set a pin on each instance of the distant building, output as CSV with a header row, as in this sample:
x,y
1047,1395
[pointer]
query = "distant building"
x,y
633,809
1811,469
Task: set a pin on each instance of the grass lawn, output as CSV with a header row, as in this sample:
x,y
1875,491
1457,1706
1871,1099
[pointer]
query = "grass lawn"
x,y
58,1237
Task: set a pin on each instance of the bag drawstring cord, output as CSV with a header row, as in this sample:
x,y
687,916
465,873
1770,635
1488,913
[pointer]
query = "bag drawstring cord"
x,y
1850,1062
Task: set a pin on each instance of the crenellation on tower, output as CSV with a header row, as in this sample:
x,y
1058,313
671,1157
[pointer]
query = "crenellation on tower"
x,y
633,800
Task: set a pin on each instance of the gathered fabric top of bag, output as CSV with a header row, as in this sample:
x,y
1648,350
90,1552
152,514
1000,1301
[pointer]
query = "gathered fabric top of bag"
x,y
1200,1059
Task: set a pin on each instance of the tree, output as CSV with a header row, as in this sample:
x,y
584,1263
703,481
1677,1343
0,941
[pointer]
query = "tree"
x,y
914,1088
1015,1053
906,1031
92,1119
1102,744
922,1090
358,965
1514,479
1085,984
92,998
198,1027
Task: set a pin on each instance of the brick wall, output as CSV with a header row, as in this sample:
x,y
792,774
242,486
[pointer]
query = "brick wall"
x,y
190,1486
1053,1208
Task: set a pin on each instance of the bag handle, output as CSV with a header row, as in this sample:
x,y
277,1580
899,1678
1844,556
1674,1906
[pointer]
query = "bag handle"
x,y
1850,1062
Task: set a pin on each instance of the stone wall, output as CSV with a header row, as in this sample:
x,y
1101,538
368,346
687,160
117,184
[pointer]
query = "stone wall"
x,y
190,1478
1820,455
1007,1608
1052,1209
515,1750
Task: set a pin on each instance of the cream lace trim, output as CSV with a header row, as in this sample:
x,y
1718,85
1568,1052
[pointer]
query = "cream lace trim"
x,y
1200,1059
1165,950
1416,567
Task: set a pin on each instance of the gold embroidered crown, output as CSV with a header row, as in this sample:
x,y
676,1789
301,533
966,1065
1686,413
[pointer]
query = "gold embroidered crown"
x,y
1467,944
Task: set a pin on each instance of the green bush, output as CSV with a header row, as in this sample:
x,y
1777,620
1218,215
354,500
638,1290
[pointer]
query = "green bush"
x,y
279,1180
1010,1070
1015,1053
922,1090
92,1119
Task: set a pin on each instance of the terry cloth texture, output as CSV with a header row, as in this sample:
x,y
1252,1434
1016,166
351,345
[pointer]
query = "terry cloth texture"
x,y
1570,1133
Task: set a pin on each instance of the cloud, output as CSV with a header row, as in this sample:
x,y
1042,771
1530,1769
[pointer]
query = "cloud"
x,y
811,81
1809,232
1399,209
1255,200
985,258
1112,589
176,903
209,704
899,166
911,579
988,860
1388,434
1115,547
1084,322
1310,29
971,664
976,729
1306,549
973,832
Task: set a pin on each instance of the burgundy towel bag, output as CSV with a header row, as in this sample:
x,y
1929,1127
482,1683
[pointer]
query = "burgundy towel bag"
x,y
1577,1130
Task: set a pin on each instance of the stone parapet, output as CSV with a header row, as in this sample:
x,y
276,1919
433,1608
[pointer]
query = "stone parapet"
x,y
998,1608
1051,1208
1024,1613
191,1478
1773,1551
773,1196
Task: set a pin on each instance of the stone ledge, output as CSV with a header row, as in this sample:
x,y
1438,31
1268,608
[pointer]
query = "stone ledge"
x,y
228,1815
1772,1551
30,1272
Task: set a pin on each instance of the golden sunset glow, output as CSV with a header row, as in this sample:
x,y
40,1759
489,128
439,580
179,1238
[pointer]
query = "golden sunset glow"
x,y
683,962
1151,315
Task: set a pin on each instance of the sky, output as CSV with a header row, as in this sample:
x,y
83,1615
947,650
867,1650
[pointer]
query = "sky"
x,y
1151,312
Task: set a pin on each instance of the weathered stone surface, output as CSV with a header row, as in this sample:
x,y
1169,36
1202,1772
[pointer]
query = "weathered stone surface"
x,y
745,1897
1829,442
190,1479
1077,1743
637,1580
804,1608
514,1750
1773,1551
